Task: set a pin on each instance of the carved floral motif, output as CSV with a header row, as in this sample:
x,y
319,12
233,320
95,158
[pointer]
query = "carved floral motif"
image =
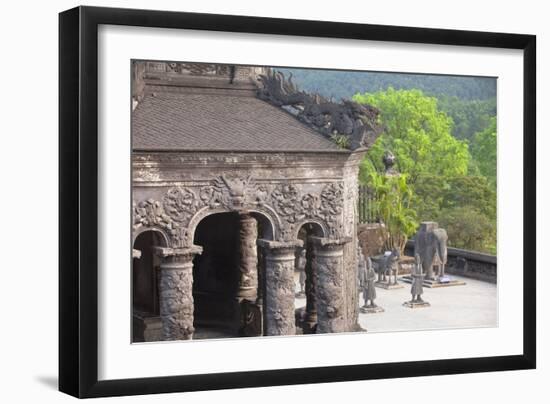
x,y
294,207
180,203
310,204
332,204
332,199
285,201
150,213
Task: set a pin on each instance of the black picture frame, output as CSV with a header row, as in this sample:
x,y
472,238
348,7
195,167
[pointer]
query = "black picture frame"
x,y
78,201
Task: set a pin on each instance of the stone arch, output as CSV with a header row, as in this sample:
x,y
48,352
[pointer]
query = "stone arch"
x,y
265,214
167,239
321,229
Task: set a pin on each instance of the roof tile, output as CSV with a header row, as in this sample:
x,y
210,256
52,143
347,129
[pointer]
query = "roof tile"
x,y
220,122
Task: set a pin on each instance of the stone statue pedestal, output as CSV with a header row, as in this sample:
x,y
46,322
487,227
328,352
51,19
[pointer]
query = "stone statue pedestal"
x,y
435,283
371,309
388,286
416,305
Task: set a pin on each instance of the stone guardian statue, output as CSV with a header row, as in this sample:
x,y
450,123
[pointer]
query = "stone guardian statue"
x,y
417,288
418,280
367,278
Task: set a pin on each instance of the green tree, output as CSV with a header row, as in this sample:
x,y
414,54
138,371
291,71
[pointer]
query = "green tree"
x,y
444,182
417,133
484,152
470,229
475,192
464,205
469,116
429,193
393,198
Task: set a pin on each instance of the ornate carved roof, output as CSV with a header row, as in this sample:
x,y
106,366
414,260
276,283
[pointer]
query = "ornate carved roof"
x,y
190,106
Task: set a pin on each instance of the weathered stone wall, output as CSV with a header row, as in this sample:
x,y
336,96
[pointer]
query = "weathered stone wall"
x,y
371,238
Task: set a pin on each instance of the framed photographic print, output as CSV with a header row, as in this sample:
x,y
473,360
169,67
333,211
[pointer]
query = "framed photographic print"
x,y
250,201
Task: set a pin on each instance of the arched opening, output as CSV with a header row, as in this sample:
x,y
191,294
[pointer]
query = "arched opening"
x,y
226,286
146,324
304,277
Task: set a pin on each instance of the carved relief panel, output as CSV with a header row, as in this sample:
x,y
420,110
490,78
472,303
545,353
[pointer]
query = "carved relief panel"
x,y
287,205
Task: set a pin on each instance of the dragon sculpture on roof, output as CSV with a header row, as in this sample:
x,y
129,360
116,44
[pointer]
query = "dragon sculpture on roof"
x,y
358,123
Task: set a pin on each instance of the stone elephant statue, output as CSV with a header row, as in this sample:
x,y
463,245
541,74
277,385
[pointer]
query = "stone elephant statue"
x,y
430,243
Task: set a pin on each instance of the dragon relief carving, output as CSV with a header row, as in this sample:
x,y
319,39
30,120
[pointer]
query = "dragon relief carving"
x,y
236,190
233,193
357,122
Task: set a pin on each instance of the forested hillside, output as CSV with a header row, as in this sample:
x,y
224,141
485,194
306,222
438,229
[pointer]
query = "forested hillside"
x,y
344,84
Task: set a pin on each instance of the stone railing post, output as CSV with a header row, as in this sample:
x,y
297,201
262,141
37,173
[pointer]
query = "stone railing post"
x,y
280,286
176,291
328,265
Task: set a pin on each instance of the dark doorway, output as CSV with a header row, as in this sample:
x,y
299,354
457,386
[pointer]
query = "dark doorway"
x,y
216,277
145,296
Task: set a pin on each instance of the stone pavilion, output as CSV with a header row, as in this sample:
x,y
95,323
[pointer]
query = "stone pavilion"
x,y
235,172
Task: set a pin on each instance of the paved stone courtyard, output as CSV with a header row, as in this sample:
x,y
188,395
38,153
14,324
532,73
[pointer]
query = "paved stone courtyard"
x,y
467,306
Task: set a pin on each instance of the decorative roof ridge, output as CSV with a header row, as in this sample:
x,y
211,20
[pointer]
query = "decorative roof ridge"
x,y
356,124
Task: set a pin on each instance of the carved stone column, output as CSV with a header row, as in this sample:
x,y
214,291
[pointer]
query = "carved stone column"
x,y
176,292
310,320
248,257
280,287
250,310
328,265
